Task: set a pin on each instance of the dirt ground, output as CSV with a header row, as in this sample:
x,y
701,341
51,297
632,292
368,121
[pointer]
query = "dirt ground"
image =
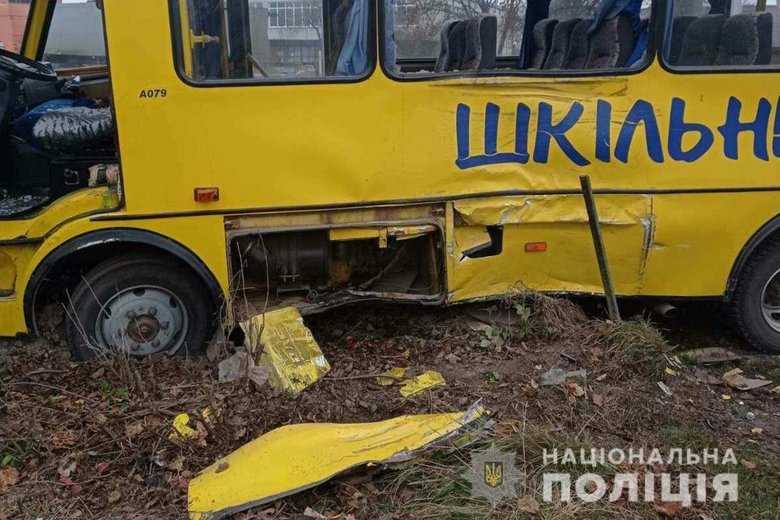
x,y
91,440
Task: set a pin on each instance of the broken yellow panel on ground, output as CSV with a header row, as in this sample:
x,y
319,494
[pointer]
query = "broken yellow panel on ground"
x,y
292,357
293,458
424,381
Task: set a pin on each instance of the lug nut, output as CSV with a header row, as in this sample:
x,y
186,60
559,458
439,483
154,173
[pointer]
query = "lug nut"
x,y
156,343
152,311
135,346
164,325
130,315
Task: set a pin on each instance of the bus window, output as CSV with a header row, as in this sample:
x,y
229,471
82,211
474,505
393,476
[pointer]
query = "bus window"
x,y
430,36
75,36
280,40
723,34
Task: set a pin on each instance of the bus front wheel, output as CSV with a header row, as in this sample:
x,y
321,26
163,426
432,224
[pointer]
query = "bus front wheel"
x,y
756,301
137,305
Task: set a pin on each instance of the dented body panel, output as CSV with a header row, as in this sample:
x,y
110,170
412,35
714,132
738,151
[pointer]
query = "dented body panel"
x,y
450,166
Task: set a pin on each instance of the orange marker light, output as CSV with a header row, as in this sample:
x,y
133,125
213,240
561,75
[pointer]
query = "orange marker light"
x,y
535,247
206,194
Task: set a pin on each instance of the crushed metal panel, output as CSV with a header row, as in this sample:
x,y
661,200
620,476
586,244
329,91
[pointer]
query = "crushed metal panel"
x,y
289,351
540,209
293,458
561,222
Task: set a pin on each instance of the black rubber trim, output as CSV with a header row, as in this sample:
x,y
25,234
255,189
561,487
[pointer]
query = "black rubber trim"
x,y
754,243
119,236
430,200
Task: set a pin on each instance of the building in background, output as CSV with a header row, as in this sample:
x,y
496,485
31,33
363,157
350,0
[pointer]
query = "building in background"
x,y
13,18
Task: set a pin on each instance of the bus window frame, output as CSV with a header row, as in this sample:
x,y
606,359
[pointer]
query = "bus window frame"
x,y
657,20
178,60
711,69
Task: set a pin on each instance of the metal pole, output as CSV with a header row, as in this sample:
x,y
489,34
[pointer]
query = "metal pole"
x,y
601,252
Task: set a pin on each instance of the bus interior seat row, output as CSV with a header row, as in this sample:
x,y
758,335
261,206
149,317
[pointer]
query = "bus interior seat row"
x,y
468,45
612,38
718,39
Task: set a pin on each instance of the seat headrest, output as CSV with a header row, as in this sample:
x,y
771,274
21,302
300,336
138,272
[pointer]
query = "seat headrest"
x,y
579,43
542,36
560,44
738,41
468,45
611,43
701,41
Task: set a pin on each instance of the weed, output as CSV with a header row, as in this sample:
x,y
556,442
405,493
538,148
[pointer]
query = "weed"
x,y
115,395
636,346
16,452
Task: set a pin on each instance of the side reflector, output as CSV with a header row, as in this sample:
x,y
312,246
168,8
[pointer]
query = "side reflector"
x,y
206,194
535,247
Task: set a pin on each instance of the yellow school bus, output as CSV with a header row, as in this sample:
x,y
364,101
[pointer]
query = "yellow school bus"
x,y
167,160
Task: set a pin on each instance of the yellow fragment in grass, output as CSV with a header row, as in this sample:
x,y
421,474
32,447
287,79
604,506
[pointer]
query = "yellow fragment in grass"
x,y
424,381
392,376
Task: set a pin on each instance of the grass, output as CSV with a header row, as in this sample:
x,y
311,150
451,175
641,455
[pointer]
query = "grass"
x,y
636,345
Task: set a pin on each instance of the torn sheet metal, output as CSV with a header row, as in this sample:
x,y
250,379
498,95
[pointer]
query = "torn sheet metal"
x,y
557,209
424,381
290,459
289,352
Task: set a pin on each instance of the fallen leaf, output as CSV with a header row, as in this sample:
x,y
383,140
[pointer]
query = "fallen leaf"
x,y
743,383
528,504
747,464
133,429
670,371
598,399
668,509
101,467
664,388
114,497
757,431
67,469
8,477
311,513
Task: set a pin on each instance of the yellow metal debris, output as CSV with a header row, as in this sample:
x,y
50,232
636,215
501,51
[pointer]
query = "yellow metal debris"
x,y
424,381
289,352
297,457
392,376
181,428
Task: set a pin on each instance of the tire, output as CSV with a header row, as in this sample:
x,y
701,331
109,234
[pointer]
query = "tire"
x,y
139,305
747,303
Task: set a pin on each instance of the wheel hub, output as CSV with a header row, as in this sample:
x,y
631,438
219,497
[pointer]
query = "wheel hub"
x,y
142,321
770,302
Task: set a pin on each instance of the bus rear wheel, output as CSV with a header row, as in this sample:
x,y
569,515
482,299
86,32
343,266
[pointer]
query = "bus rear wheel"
x,y
137,305
755,305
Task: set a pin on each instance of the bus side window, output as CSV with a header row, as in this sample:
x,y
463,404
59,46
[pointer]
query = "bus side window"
x,y
278,40
718,34
430,36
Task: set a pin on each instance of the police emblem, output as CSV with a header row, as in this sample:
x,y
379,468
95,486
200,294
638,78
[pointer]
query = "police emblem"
x,y
493,474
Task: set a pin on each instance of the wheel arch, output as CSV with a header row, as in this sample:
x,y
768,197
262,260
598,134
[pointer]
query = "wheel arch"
x,y
768,232
102,243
